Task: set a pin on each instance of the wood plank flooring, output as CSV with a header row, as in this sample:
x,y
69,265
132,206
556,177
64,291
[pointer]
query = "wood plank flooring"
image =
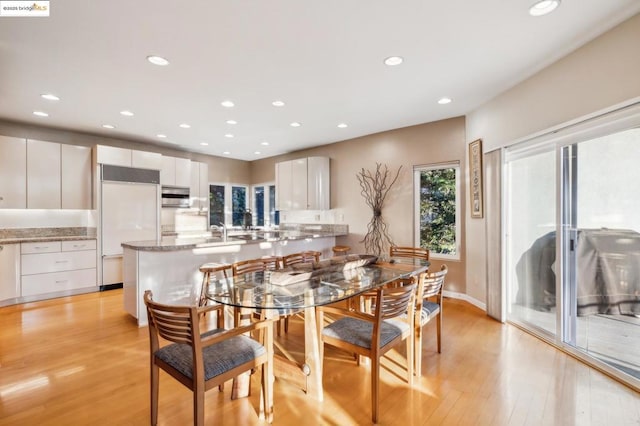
x,y
82,361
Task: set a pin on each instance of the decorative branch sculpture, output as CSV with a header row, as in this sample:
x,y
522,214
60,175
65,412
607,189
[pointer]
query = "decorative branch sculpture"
x,y
374,189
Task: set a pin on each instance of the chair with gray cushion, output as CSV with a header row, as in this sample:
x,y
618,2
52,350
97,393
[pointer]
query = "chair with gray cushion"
x,y
428,306
409,252
373,334
203,361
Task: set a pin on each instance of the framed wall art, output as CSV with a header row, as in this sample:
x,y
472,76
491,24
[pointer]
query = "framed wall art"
x,y
475,178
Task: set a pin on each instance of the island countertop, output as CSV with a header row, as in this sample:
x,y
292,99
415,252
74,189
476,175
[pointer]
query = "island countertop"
x,y
204,240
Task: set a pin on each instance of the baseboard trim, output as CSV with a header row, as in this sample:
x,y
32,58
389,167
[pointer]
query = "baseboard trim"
x,y
466,298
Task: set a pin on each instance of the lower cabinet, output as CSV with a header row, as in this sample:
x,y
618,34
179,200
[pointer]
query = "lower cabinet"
x,y
57,266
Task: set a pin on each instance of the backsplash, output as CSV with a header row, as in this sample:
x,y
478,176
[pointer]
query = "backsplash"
x,y
46,232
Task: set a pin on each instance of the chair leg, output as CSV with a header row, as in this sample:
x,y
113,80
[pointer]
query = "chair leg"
x,y
375,387
286,324
198,405
417,351
410,365
439,326
154,393
278,326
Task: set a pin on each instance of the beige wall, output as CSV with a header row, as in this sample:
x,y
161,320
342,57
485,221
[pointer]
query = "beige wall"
x,y
601,74
424,144
220,169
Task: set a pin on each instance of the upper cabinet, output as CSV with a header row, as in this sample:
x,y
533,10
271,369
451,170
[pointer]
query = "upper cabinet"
x,y
303,184
43,175
128,157
13,173
199,188
175,171
76,177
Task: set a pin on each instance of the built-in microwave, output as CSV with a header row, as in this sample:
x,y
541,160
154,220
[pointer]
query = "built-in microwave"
x,y
175,196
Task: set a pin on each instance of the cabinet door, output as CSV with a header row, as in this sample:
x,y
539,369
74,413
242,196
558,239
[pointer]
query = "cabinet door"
x,y
183,172
113,155
9,271
168,171
43,175
146,160
13,173
283,185
194,187
318,184
299,184
76,177
203,196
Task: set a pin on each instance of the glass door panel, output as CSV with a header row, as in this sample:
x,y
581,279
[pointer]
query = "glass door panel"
x,y
606,254
530,185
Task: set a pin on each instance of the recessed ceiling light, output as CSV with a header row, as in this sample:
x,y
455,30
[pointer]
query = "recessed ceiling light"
x,y
157,60
226,153
40,113
228,135
277,103
543,7
108,126
161,136
185,126
257,153
444,101
342,125
227,104
204,144
393,60
265,143
232,122
126,113
49,97
295,124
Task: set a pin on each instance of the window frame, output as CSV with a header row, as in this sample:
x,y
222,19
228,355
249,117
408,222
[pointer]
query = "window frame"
x,y
417,170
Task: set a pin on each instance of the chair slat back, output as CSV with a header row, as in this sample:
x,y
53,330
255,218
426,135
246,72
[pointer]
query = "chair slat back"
x,y
173,323
413,252
302,257
272,263
395,299
248,266
433,282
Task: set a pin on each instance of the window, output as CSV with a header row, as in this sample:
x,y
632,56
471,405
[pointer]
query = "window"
x,y
216,204
264,205
437,205
258,205
238,205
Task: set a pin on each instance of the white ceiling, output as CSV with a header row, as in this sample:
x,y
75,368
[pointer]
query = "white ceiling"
x,y
324,59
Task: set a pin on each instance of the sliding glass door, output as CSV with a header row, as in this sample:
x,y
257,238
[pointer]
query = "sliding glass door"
x,y
572,257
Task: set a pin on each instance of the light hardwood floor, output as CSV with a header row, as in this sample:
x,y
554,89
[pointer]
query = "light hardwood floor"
x,y
82,361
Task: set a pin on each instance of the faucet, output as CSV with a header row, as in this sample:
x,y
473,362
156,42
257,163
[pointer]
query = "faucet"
x,y
224,232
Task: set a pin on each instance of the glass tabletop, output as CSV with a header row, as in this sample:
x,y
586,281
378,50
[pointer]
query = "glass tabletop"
x,y
313,288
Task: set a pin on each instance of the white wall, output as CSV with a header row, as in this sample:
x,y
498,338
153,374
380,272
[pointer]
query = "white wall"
x,y
599,75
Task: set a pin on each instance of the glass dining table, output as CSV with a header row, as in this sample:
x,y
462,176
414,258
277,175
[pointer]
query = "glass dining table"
x,y
301,291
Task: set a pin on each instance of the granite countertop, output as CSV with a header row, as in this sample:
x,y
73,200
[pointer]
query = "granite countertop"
x,y
201,241
41,235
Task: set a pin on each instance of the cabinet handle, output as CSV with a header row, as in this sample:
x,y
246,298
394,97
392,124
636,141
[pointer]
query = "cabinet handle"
x,y
1,198
62,261
62,281
79,245
41,247
1,248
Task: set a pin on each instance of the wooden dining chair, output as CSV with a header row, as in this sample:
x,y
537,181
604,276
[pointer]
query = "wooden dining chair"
x,y
301,257
209,271
374,334
413,252
203,361
428,306
248,266
272,263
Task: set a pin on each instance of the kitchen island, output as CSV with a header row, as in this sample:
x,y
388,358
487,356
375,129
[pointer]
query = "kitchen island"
x,y
172,264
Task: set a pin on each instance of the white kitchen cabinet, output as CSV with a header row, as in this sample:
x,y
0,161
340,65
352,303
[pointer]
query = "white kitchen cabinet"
x,y
13,173
55,266
303,184
43,175
113,155
76,186
9,271
175,171
199,187
128,157
146,160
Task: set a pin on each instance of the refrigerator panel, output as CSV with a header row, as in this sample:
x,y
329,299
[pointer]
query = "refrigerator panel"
x,y
129,213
